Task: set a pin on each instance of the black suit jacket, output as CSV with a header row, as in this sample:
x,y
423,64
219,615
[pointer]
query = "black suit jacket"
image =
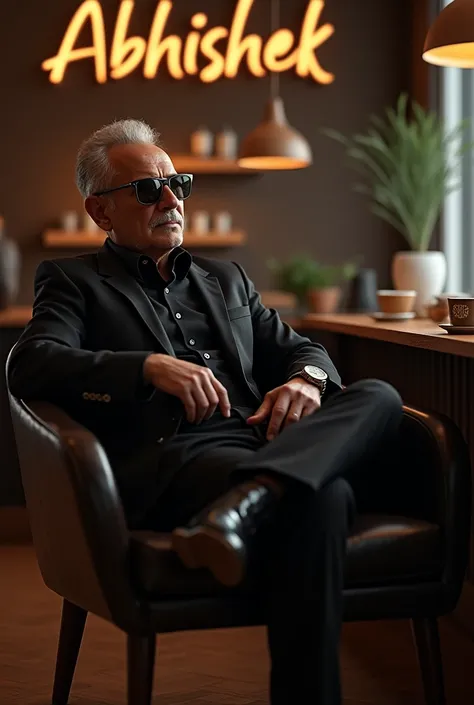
x,y
93,327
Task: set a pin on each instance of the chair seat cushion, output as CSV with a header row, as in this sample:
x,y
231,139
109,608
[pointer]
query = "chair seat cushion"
x,y
382,550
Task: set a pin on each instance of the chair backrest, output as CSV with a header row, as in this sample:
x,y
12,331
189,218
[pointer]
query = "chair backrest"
x,y
76,516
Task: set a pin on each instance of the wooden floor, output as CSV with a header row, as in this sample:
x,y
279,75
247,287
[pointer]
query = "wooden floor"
x,y
202,668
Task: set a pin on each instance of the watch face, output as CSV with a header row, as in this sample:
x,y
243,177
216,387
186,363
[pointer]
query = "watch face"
x,y
315,372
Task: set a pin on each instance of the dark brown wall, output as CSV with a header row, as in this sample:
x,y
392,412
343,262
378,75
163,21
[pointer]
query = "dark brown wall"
x,y
314,210
422,73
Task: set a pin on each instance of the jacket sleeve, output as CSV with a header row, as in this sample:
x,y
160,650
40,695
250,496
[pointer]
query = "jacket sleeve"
x,y
49,361
280,352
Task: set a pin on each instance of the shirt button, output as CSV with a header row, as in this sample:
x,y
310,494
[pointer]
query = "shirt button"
x,y
192,341
207,356
167,291
178,315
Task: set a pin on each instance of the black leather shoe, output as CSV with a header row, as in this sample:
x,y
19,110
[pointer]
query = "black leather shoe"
x,y
218,538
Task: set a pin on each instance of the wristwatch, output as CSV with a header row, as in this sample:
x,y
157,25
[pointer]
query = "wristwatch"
x,y
314,375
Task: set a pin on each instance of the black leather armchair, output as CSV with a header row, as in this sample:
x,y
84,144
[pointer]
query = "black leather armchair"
x,y
406,559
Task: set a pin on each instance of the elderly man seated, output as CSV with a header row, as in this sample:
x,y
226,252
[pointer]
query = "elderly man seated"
x,y
222,424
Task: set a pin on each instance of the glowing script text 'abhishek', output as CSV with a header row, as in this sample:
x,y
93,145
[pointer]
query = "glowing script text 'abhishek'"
x,y
282,51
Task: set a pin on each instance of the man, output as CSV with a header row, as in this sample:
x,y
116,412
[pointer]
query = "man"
x,y
222,424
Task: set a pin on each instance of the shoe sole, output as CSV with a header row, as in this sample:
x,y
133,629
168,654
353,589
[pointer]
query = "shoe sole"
x,y
204,547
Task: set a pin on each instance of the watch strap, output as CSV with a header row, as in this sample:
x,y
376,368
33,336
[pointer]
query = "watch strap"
x,y
321,384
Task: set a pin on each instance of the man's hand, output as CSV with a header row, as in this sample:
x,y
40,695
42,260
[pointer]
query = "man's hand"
x,y
196,386
286,405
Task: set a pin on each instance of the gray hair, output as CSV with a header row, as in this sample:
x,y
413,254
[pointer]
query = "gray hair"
x,y
93,169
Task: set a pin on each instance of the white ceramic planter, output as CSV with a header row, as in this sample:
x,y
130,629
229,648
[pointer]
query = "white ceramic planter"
x,y
423,271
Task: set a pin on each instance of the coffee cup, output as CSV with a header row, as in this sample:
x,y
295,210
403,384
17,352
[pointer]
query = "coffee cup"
x,y
396,300
438,308
461,311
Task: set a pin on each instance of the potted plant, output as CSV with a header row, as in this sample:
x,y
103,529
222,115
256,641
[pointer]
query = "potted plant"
x,y
408,164
316,285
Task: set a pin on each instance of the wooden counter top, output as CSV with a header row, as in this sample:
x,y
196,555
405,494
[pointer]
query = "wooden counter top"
x,y
418,333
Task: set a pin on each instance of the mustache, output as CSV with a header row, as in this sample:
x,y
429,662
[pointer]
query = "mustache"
x,y
170,217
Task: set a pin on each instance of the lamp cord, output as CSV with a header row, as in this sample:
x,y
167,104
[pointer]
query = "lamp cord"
x,y
275,25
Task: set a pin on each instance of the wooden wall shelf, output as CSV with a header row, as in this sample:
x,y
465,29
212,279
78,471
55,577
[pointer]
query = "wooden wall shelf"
x,y
60,239
196,165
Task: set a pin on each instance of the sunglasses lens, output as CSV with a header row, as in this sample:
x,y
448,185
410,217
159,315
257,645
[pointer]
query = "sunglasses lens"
x,y
149,191
181,186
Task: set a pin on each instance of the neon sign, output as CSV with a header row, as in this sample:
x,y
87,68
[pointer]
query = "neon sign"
x,y
224,49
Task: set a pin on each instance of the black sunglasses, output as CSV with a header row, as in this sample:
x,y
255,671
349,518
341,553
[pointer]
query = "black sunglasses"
x,y
150,190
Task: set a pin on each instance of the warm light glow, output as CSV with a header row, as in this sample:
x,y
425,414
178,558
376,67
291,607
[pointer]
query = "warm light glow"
x,y
450,39
191,51
92,11
126,53
454,55
283,51
238,45
274,144
272,163
158,45
277,47
311,39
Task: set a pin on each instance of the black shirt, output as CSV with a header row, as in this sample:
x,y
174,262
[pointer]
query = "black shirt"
x,y
187,323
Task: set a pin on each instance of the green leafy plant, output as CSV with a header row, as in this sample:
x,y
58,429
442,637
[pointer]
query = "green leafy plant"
x,y
301,274
408,162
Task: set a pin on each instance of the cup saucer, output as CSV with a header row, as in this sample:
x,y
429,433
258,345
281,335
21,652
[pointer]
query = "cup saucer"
x,y
405,316
457,330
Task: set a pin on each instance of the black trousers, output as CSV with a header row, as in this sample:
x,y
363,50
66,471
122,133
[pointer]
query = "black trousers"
x,y
301,551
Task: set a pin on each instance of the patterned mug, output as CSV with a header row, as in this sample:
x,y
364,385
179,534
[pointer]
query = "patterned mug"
x,y
461,311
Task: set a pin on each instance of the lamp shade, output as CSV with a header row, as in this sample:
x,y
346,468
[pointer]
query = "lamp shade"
x,y
450,40
274,145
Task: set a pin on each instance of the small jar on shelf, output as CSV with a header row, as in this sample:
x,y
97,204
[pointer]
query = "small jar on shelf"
x,y
200,223
69,221
226,144
202,142
222,223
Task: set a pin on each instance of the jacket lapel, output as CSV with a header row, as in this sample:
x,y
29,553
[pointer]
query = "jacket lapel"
x,y
115,275
214,300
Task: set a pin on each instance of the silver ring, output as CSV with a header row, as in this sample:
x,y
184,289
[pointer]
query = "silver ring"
x,y
295,415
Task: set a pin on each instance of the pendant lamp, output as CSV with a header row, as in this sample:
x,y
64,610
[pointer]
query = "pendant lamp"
x,y
450,40
274,144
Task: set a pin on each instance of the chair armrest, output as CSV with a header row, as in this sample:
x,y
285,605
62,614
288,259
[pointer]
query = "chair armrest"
x,y
435,450
426,474
77,521
434,459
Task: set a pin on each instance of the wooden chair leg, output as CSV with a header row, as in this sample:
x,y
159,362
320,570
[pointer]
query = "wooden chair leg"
x,y
73,621
141,662
426,637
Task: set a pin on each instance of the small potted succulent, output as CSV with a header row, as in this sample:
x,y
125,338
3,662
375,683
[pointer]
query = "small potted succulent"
x,y
317,286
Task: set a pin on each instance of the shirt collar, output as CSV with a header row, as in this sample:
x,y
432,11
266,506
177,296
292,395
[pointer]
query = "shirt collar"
x,y
137,264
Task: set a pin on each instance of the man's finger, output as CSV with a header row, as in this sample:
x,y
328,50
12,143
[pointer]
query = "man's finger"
x,y
295,412
262,412
221,391
308,410
212,398
202,403
279,412
190,407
